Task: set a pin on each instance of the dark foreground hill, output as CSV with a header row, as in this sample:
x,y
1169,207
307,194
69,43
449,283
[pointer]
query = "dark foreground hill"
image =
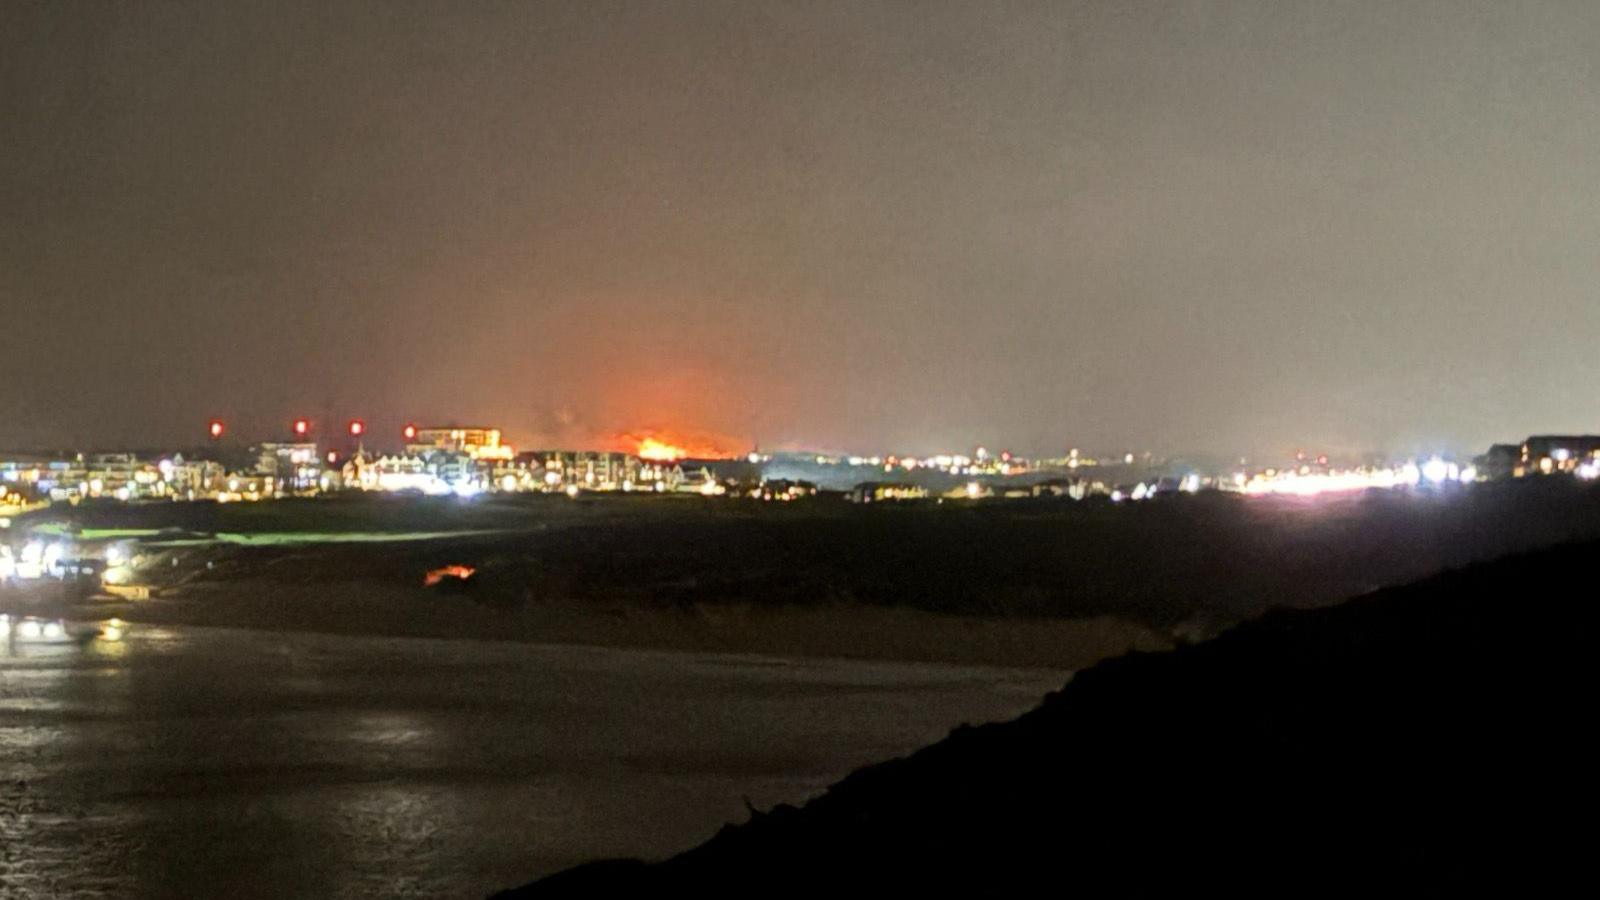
x,y
1431,738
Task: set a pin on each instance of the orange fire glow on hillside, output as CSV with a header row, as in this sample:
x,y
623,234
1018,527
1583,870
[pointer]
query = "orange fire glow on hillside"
x,y
671,446
661,451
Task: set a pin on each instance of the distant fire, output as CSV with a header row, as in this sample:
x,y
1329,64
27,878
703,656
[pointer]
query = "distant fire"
x,y
671,446
660,451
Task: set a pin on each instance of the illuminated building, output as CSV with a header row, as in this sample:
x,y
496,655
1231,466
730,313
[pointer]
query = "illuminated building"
x,y
295,467
430,472
972,490
247,486
189,479
697,481
595,471
1548,454
476,442
1073,488
784,489
390,473
882,491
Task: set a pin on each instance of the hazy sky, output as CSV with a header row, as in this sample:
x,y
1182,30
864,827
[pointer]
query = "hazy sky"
x,y
910,226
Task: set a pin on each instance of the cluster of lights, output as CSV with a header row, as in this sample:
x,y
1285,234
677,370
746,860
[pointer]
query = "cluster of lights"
x,y
1305,482
1300,481
1140,491
982,462
216,428
32,629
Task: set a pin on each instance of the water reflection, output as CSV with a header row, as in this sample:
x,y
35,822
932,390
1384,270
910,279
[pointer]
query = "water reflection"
x,y
257,764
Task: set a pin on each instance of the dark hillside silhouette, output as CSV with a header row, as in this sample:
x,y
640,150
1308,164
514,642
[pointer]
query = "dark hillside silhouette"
x,y
1424,739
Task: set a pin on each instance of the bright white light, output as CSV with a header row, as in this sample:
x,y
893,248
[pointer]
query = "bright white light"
x,y
1589,471
1294,484
28,629
1468,475
53,630
1191,484
117,575
1410,474
1140,491
1436,470
974,490
1116,496
572,490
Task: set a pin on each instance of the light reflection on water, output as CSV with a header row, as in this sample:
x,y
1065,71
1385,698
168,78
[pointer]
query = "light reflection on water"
x,y
208,762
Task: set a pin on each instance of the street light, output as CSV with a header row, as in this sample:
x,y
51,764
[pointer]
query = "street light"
x,y
216,428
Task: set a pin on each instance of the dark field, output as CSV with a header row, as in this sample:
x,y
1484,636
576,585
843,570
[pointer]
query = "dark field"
x,y
1061,583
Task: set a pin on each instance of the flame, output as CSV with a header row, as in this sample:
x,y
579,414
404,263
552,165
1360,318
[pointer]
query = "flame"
x,y
660,451
660,445
461,573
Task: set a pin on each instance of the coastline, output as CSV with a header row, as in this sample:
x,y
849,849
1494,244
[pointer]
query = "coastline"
x,y
834,631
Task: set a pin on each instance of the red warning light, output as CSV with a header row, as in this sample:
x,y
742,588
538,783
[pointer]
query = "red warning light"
x,y
357,428
216,428
301,427
410,432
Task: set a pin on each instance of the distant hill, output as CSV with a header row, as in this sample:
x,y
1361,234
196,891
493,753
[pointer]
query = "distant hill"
x,y
1427,739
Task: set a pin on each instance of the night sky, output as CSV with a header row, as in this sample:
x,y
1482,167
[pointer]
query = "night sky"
x,y
890,226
